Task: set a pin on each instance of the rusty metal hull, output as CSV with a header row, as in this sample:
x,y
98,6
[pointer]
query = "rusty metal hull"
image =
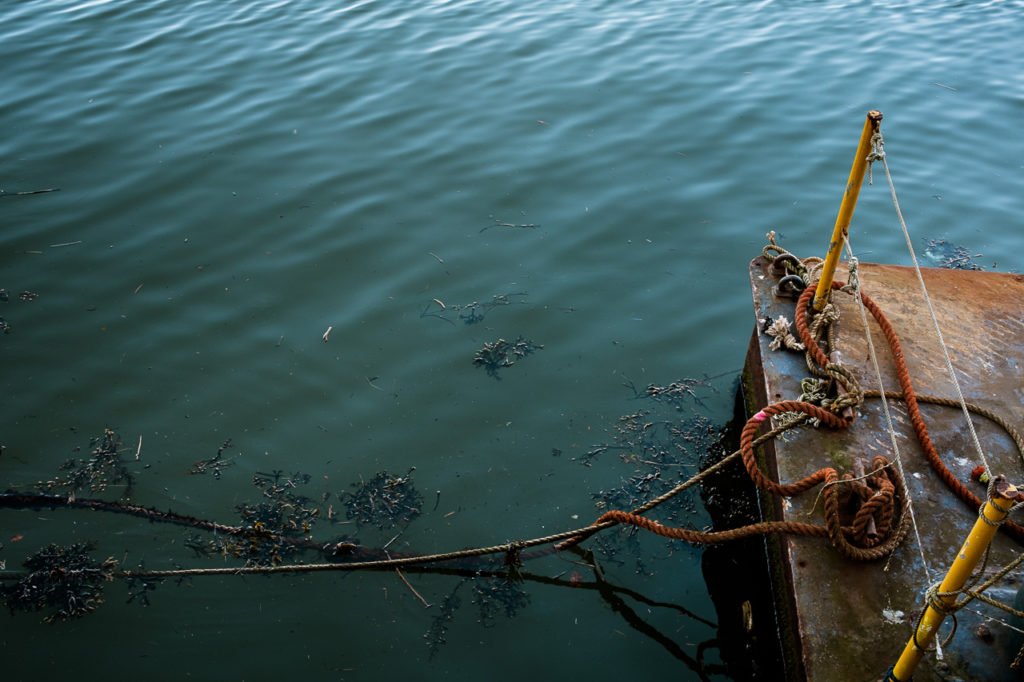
x,y
852,620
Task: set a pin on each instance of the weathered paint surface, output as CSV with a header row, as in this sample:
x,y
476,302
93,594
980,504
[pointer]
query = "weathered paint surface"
x,y
848,613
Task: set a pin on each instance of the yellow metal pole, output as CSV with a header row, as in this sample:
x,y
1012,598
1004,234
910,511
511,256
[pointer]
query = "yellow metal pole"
x,y
995,510
841,230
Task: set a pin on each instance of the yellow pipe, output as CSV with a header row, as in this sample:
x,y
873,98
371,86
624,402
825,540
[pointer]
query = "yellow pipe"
x,y
994,511
841,230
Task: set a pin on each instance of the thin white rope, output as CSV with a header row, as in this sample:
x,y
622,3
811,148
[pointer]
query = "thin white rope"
x,y
892,435
888,419
879,153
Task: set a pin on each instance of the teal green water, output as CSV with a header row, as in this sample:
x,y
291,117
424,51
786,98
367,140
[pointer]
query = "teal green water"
x,y
237,177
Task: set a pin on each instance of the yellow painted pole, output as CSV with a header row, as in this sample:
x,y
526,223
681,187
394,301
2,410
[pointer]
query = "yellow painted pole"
x,y
995,510
841,230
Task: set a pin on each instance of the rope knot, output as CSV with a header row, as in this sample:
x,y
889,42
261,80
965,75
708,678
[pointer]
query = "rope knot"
x,y
783,337
853,280
864,514
877,152
514,560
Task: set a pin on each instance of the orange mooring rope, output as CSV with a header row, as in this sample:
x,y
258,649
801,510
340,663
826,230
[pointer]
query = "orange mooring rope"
x,y
909,397
876,499
873,502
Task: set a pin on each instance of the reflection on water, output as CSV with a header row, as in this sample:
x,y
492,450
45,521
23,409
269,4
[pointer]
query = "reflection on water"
x,y
277,532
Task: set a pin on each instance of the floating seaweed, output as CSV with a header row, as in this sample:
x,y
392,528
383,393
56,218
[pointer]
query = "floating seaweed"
x,y
661,453
385,501
4,326
470,313
501,353
67,583
64,580
104,467
675,394
283,514
951,256
501,223
215,464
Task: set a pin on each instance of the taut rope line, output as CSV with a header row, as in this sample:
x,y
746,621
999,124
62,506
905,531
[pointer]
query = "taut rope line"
x,y
879,153
855,290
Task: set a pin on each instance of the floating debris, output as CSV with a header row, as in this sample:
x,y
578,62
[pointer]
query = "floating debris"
x,y
64,580
501,353
385,501
5,193
470,313
103,468
951,256
501,223
675,394
214,464
284,514
661,453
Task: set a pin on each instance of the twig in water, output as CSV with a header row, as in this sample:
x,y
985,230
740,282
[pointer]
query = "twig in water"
x,y
138,450
327,333
57,246
498,223
24,194
411,588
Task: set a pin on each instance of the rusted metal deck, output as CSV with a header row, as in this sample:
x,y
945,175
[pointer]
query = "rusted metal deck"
x,y
847,620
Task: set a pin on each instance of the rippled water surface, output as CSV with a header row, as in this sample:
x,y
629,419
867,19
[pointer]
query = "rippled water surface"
x,y
236,178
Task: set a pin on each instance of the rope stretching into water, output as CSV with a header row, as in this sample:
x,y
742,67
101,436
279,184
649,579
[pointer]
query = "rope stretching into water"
x,y
880,498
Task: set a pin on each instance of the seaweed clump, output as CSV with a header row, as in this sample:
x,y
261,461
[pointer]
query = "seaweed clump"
x,y
215,464
951,256
4,326
501,353
64,579
470,313
284,514
660,454
385,501
104,467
